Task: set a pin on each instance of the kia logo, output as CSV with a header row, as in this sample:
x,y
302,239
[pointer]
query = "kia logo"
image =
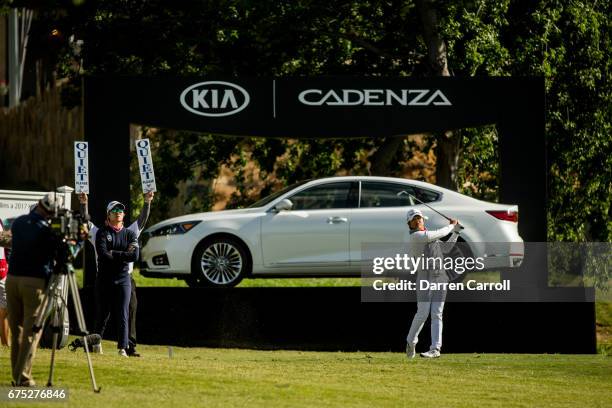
x,y
215,98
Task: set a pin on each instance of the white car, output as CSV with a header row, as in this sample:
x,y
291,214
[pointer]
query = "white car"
x,y
316,228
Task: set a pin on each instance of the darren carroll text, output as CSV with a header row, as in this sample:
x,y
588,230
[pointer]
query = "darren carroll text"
x,y
426,285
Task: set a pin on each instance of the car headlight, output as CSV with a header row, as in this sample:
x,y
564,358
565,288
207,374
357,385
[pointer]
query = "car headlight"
x,y
173,229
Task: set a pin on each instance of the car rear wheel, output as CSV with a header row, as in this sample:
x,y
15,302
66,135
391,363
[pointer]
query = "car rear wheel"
x,y
219,262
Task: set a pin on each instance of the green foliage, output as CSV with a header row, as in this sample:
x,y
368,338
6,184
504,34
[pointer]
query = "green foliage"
x,y
479,175
574,55
196,160
472,31
567,42
184,157
5,6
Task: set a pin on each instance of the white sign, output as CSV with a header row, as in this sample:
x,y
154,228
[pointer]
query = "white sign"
x,y
81,167
145,164
14,203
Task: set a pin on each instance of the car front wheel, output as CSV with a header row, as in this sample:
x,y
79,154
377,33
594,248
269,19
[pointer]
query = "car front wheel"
x,y
219,262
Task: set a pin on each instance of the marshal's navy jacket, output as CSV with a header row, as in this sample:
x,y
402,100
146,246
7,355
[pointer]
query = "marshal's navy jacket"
x,y
116,249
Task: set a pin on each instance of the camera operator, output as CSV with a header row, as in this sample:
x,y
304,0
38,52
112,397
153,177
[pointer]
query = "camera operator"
x,y
116,247
102,319
31,263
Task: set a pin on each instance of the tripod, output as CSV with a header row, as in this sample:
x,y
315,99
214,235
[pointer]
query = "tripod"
x,y
55,303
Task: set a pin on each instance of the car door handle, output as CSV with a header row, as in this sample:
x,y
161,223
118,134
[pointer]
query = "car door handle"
x,y
336,220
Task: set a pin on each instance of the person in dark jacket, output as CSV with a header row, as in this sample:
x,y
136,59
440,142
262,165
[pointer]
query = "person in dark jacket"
x,y
32,260
116,247
101,318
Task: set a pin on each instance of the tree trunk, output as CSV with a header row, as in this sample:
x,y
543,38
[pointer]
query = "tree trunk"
x,y
448,144
381,160
436,47
448,152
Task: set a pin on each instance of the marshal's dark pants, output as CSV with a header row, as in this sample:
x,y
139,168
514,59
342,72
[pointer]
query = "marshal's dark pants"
x,y
132,317
113,298
103,312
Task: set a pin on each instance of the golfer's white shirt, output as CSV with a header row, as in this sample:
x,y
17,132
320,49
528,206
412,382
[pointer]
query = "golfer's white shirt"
x,y
418,239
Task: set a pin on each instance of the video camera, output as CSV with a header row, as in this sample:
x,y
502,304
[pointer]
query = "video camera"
x,y
68,225
68,228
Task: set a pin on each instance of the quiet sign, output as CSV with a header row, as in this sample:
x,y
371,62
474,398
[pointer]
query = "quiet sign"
x,y
81,164
145,164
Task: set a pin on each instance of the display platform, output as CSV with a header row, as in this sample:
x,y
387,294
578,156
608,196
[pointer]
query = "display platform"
x,y
335,319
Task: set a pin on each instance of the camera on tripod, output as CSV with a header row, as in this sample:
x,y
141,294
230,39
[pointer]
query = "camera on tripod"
x,y
67,225
69,229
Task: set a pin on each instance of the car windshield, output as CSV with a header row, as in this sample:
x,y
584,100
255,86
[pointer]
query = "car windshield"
x,y
274,196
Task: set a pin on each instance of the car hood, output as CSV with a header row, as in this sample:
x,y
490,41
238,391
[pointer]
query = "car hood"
x,y
205,216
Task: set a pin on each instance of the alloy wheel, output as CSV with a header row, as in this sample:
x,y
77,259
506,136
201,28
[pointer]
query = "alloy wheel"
x,y
221,263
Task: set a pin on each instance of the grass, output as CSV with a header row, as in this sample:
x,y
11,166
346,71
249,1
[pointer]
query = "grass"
x,y
230,377
603,312
142,281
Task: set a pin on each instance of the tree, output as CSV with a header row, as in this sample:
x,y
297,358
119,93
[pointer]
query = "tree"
x,y
567,42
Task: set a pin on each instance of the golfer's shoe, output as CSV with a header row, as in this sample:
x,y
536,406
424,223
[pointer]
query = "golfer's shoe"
x,y
431,354
410,350
131,352
97,348
122,353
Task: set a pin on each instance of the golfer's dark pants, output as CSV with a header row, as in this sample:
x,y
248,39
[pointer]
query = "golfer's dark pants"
x,y
113,298
103,312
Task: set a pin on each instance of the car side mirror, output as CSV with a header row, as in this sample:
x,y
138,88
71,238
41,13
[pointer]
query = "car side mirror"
x,y
283,205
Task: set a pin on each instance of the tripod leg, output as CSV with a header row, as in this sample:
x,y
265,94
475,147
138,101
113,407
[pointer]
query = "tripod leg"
x,y
50,381
76,300
91,372
57,321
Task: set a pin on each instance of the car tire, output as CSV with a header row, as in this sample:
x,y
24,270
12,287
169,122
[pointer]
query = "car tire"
x,y
219,262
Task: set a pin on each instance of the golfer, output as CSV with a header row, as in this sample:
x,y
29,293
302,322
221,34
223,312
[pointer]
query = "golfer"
x,y
430,302
116,247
